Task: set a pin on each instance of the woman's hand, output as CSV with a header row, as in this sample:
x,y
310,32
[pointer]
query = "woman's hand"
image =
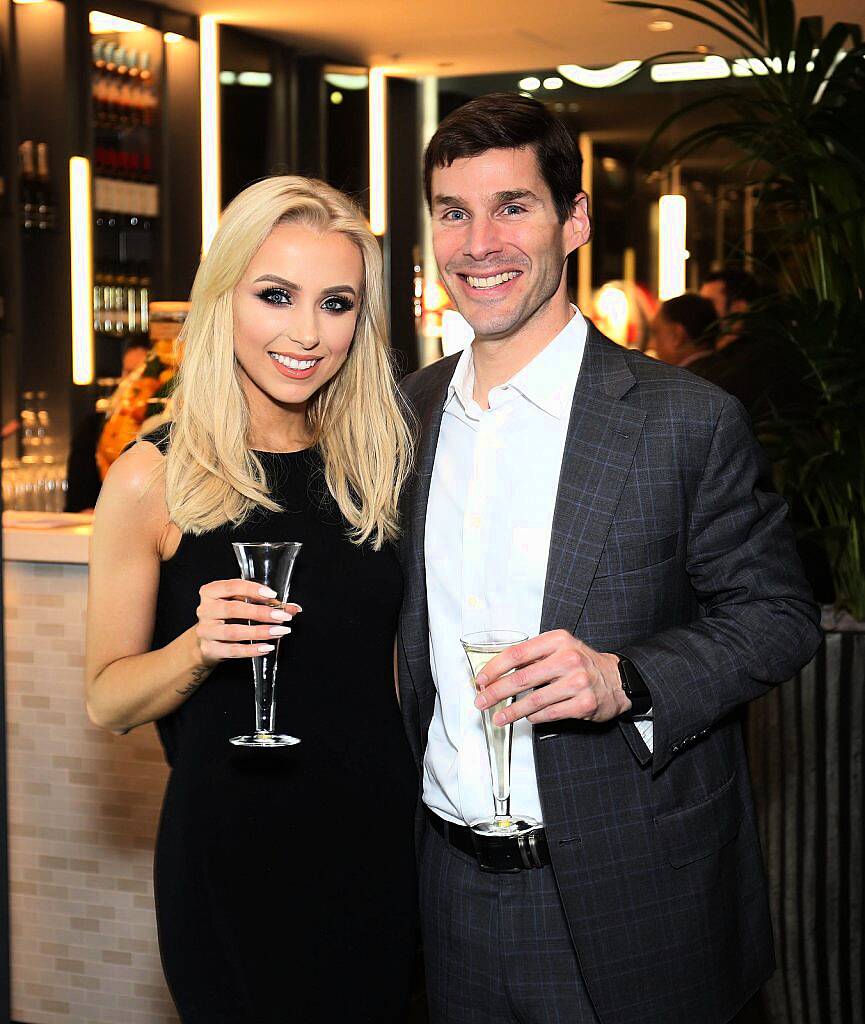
x,y
229,616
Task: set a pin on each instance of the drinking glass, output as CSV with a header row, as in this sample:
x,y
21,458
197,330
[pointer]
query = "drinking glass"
x,y
480,648
270,564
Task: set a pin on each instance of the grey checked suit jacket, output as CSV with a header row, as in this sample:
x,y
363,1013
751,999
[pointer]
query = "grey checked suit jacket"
x,y
669,547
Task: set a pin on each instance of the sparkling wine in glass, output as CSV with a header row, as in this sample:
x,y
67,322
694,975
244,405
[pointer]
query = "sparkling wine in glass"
x,y
270,564
480,648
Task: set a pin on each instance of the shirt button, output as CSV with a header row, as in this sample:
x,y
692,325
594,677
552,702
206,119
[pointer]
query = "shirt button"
x,y
474,602
474,522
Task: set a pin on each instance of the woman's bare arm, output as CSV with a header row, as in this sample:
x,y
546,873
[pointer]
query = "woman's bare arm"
x,y
127,684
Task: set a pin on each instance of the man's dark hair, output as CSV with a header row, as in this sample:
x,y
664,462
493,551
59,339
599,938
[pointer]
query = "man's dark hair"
x,y
739,285
504,120
696,314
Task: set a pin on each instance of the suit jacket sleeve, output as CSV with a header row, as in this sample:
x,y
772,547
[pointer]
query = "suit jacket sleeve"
x,y
758,623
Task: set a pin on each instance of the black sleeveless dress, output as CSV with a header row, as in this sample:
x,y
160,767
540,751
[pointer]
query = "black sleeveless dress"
x,y
285,880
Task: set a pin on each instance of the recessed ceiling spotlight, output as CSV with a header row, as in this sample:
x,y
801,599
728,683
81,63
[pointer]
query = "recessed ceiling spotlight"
x,y
530,83
553,82
336,97
701,48
660,25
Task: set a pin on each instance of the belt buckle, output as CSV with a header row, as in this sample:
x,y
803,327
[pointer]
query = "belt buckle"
x,y
486,848
507,855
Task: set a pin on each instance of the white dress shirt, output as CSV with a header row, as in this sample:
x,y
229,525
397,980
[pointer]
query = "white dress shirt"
x,y
487,543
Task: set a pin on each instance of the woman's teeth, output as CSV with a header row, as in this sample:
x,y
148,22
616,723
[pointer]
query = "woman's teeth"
x,y
294,364
491,282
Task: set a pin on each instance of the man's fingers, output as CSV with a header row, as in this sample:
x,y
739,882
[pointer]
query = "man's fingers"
x,y
537,647
540,674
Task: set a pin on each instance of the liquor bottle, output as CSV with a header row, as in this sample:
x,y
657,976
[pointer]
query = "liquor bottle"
x,y
27,185
45,212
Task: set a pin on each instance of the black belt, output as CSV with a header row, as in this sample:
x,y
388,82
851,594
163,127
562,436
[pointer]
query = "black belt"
x,y
501,854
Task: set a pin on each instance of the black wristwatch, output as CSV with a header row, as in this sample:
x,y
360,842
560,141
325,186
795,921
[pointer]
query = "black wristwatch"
x,y
635,688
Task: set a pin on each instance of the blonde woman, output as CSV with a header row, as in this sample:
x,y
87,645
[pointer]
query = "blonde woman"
x,y
284,879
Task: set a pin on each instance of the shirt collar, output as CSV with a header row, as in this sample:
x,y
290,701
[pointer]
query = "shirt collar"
x,y
548,381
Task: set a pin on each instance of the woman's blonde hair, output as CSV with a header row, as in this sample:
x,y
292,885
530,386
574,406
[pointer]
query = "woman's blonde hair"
x,y
211,476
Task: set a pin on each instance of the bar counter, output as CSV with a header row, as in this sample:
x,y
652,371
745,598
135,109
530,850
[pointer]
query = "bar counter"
x,y
83,804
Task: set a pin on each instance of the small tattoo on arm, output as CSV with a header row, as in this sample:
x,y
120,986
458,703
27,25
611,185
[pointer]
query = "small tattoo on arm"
x,y
198,676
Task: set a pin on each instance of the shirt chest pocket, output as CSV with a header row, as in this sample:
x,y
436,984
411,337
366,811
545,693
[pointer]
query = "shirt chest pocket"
x,y
528,553
625,556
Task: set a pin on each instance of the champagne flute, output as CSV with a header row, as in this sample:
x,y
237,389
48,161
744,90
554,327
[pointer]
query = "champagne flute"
x,y
271,565
480,648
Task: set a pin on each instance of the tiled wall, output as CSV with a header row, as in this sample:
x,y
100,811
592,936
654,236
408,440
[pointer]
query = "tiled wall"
x,y
83,809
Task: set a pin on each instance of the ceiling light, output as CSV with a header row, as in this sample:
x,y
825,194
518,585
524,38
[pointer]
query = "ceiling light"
x,y
660,26
336,97
377,151
553,82
701,48
348,83
102,22
691,70
172,37
530,83
211,147
600,78
227,78
258,78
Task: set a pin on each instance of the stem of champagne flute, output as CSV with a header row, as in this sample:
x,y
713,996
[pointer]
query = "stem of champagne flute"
x,y
264,670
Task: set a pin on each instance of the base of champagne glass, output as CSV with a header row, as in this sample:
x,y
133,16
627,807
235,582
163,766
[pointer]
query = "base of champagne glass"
x,y
514,826
264,739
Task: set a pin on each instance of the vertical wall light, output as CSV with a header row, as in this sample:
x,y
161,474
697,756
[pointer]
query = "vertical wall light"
x,y
211,150
672,213
377,151
81,255
584,253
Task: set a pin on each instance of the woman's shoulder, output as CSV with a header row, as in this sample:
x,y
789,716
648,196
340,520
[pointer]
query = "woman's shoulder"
x,y
159,437
135,483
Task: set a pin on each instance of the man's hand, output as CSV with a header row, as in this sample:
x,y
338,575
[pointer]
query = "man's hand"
x,y
567,680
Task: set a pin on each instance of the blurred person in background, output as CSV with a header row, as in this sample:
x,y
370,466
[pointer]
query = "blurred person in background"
x,y
682,331
82,472
731,292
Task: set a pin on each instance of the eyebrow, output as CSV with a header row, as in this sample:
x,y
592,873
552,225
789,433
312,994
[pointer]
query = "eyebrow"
x,y
330,290
509,196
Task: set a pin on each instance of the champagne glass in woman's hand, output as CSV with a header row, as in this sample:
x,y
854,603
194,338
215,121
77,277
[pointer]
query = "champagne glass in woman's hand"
x,y
271,565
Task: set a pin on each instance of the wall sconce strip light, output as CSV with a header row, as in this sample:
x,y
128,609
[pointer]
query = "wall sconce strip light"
x,y
377,151
672,215
211,186
81,256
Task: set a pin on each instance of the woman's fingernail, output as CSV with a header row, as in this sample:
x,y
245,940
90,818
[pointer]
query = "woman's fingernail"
x,y
280,615
265,648
279,630
266,592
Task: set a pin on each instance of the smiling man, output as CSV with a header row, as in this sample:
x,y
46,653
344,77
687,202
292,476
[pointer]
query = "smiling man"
x,y
617,511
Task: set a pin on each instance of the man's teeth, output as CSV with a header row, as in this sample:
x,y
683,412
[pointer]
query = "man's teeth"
x,y
491,282
294,364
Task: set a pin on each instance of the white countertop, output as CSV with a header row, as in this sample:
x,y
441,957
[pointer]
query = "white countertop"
x,y
47,537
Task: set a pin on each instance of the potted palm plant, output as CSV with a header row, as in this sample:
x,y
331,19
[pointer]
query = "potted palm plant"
x,y
799,131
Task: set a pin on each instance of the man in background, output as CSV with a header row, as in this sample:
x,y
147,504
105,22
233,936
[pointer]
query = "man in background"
x,y
731,292
682,331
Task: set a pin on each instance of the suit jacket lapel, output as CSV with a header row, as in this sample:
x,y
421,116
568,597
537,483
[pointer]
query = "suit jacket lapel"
x,y
429,407
602,437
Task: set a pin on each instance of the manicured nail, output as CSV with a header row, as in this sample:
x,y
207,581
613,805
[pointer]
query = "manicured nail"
x,y
265,648
279,630
280,615
266,592
482,679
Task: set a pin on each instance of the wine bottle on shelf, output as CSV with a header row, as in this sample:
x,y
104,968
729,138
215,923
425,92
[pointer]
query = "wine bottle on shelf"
x,y
45,209
27,185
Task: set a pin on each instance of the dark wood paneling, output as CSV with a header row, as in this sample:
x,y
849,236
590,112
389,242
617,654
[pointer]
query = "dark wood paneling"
x,y
403,227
